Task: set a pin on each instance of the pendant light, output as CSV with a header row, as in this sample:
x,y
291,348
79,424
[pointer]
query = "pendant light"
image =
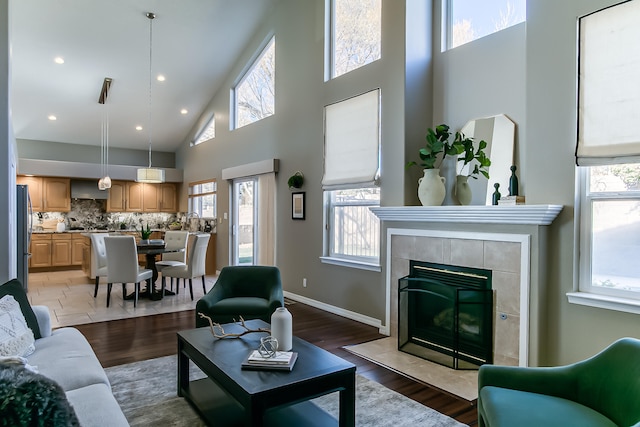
x,y
104,183
150,174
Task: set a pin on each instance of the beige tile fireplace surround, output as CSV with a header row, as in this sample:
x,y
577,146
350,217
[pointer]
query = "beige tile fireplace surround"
x,y
508,240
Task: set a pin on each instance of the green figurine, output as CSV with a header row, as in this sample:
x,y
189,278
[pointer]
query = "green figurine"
x,y
496,194
513,182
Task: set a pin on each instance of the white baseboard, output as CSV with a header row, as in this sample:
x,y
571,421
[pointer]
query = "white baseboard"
x,y
337,310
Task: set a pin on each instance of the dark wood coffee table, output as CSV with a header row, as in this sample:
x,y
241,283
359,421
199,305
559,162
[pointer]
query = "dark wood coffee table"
x,y
232,396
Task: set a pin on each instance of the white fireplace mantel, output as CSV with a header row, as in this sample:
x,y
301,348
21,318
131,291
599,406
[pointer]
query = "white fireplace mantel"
x,y
518,214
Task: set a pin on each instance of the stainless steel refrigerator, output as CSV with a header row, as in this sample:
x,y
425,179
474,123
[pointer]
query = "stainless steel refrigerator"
x,y
23,235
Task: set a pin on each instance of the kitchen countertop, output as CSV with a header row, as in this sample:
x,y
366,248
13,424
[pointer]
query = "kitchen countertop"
x,y
103,231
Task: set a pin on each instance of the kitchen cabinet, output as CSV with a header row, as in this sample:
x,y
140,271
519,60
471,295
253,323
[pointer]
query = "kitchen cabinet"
x,y
35,190
117,201
134,197
60,250
168,193
40,250
150,199
48,194
56,194
77,248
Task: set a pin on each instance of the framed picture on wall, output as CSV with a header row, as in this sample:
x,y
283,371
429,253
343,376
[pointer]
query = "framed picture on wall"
x,y
297,205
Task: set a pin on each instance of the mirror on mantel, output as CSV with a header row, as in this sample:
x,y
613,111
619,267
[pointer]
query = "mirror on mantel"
x,y
499,133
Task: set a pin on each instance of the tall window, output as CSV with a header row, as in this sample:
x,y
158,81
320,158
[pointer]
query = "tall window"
x,y
355,34
254,95
468,20
351,165
202,198
608,156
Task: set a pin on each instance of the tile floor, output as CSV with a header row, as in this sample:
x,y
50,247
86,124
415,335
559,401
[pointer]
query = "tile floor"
x,y
69,296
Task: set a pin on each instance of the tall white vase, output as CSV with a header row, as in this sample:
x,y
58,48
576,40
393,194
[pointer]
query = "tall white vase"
x,y
431,190
282,328
462,190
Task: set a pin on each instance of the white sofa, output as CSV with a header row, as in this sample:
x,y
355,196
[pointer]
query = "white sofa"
x,y
65,356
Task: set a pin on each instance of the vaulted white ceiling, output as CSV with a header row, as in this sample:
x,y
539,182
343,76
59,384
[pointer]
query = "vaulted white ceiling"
x,y
195,43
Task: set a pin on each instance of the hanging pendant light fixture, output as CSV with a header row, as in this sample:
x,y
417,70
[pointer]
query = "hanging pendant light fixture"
x,y
150,174
104,183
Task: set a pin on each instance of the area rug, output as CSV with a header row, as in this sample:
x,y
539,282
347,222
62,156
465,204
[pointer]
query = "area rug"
x,y
146,392
385,352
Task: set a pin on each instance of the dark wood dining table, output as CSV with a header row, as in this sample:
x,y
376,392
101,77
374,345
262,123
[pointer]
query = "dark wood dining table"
x,y
151,252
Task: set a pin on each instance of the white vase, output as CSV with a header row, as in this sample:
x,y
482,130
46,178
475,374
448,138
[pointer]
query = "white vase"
x,y
282,328
462,191
431,190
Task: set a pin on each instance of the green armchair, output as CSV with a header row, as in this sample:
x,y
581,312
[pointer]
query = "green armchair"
x,y
603,390
253,292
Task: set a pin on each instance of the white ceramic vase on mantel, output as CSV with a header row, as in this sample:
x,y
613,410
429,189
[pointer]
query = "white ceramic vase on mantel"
x,y
431,189
462,191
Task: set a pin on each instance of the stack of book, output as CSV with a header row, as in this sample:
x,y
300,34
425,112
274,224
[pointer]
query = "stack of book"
x,y
511,200
283,361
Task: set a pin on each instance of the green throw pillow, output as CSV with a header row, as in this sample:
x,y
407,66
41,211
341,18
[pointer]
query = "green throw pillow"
x,y
14,288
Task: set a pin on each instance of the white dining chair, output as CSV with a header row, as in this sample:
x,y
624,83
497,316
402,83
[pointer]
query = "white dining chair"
x,y
122,259
195,266
174,240
99,258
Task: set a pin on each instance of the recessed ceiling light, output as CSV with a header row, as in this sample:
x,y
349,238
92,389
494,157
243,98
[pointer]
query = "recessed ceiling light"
x,y
58,60
138,127
160,78
184,111
52,117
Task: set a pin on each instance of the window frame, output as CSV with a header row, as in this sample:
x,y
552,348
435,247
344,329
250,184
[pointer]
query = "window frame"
x,y
251,65
191,196
329,255
584,293
211,123
330,39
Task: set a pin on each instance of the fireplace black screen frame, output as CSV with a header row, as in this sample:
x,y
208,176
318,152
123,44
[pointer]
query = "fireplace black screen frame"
x,y
445,315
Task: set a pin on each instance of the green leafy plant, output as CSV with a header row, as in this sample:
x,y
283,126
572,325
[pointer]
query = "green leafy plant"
x,y
437,142
471,153
296,180
145,234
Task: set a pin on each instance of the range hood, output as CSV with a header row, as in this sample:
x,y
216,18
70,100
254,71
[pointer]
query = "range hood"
x,y
87,189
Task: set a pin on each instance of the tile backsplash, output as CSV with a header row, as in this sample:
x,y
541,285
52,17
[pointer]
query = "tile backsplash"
x,y
91,214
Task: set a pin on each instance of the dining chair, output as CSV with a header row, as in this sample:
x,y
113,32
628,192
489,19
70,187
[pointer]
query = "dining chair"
x,y
122,259
99,259
195,266
174,240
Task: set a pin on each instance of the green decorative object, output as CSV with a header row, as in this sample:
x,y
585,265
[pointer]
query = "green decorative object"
x,y
496,194
145,234
296,180
513,182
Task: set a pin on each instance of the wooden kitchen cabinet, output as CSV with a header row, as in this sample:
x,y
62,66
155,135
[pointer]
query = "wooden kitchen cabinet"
x,y
151,201
78,242
134,197
168,194
35,190
40,250
48,194
117,201
56,194
60,250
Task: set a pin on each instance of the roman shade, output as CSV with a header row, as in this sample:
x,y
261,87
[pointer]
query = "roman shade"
x,y
352,142
608,86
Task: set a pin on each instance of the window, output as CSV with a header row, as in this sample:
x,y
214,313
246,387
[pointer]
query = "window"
x,y
468,20
254,95
355,34
350,181
202,198
207,133
608,159
357,235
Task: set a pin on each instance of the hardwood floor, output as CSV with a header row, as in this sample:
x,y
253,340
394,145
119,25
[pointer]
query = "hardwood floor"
x,y
130,340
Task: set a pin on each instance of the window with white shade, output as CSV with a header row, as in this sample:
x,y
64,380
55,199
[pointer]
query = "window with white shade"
x,y
608,159
350,180
202,198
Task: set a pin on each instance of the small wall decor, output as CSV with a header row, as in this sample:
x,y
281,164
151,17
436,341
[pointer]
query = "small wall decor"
x,y
296,180
297,205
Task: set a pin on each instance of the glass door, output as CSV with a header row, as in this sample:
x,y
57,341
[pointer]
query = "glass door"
x,y
245,196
